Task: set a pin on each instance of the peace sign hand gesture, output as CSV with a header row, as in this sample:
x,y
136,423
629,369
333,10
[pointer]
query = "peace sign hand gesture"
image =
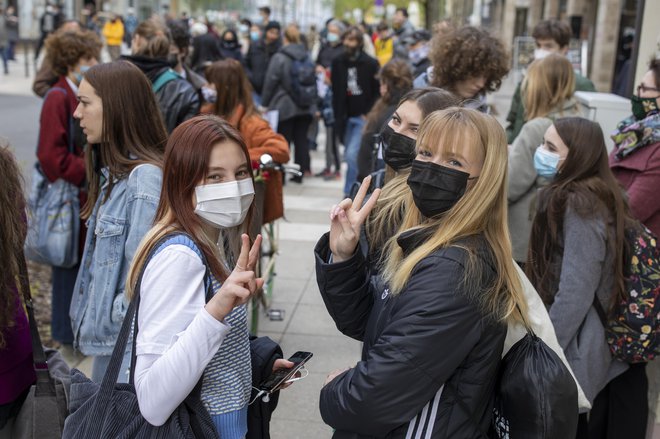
x,y
241,283
346,220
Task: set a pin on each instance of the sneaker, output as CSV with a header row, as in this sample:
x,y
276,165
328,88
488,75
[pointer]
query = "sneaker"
x,y
296,179
324,173
332,176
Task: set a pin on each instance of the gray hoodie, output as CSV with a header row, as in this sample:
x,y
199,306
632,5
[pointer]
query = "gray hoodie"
x,y
277,91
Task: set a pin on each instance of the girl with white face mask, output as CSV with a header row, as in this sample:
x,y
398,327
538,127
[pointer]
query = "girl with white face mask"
x,y
192,317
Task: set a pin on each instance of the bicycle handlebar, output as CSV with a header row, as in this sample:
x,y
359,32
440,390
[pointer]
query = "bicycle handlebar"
x,y
293,169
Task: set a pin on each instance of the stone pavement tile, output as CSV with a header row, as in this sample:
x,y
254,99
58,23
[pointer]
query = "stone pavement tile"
x,y
296,258
278,327
302,232
331,352
289,290
312,295
289,429
313,201
300,402
310,216
311,320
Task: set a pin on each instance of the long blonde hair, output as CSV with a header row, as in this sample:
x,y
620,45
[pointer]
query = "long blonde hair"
x,y
481,211
549,83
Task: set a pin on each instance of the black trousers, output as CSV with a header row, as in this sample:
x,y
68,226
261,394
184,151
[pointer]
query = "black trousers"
x,y
620,410
294,131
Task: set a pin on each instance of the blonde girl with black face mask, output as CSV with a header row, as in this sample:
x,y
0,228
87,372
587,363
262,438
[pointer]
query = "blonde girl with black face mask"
x,y
450,283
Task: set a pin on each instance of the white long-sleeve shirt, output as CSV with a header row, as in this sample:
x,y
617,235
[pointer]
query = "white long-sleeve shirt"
x,y
176,337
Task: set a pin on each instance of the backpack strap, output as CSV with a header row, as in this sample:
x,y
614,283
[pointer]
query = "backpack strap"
x,y
165,77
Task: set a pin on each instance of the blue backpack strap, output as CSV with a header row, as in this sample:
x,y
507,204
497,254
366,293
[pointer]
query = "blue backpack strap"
x,y
165,77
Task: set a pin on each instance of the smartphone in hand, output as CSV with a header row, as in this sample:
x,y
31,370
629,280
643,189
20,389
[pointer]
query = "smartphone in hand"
x,y
278,378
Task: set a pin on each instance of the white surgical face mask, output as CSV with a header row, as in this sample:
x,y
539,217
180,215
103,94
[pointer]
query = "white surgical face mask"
x,y
225,204
541,53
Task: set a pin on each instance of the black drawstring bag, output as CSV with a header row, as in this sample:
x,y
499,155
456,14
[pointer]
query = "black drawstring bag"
x,y
536,395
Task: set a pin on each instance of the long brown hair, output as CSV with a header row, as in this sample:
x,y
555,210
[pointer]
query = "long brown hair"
x,y
133,132
549,83
186,165
233,88
586,184
481,211
387,215
398,77
12,236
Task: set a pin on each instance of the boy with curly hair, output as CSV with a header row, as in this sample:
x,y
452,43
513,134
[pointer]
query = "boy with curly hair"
x,y
467,61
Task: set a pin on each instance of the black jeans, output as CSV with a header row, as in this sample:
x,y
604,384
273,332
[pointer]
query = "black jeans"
x,y
620,410
294,131
64,279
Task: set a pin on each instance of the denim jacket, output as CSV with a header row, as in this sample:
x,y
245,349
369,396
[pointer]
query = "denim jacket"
x,y
116,228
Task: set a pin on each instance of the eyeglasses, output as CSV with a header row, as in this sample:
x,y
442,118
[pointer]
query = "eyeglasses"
x,y
644,88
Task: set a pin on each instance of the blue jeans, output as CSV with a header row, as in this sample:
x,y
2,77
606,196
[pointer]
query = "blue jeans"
x,y
352,138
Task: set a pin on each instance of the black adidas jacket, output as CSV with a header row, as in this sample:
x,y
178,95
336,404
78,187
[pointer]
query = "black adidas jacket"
x,y
423,349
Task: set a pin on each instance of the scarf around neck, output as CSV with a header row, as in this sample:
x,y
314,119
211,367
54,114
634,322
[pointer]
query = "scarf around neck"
x,y
632,134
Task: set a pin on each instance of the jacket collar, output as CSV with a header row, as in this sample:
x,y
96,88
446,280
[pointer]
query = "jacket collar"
x,y
413,238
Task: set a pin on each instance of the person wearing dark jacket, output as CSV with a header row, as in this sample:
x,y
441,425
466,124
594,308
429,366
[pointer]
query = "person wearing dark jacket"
x,y
434,330
355,88
206,51
230,46
260,53
418,45
395,80
177,98
331,46
179,53
279,94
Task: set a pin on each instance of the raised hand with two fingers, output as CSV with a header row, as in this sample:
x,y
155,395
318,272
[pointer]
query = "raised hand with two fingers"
x,y
346,220
241,284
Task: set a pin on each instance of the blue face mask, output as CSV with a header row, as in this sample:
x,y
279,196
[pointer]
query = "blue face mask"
x,y
79,75
546,162
332,37
254,35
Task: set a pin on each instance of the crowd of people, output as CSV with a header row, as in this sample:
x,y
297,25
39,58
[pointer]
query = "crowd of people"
x,y
453,232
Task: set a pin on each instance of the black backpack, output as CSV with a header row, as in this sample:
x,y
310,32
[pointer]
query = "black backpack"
x,y
303,81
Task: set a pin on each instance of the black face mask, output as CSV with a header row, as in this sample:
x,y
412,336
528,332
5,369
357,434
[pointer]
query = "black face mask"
x,y
436,189
230,45
352,52
398,150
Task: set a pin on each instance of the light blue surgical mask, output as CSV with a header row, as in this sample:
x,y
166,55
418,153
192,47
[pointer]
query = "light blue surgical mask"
x,y
546,162
332,37
254,35
243,28
79,75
